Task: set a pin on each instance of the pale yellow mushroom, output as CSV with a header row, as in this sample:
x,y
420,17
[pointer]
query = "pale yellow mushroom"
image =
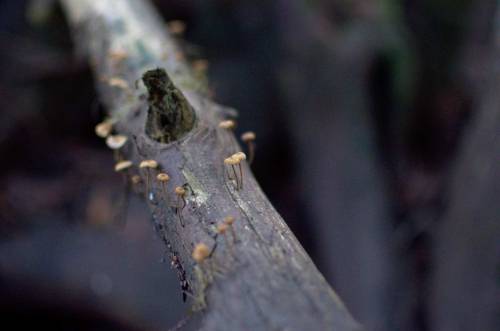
x,y
104,128
116,142
163,178
176,27
238,158
249,138
181,195
123,165
118,82
147,165
117,55
229,220
227,124
231,161
200,253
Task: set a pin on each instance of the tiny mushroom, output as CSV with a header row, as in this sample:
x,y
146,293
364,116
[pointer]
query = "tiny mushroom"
x,y
123,166
231,161
200,66
249,138
118,82
222,229
116,142
136,180
104,128
227,124
240,156
176,27
148,164
117,55
229,220
163,178
181,195
200,253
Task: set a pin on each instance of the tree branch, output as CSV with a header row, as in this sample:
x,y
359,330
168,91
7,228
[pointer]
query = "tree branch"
x,y
264,280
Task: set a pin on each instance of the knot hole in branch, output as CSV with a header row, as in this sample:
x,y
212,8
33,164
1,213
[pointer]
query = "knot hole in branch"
x,y
170,116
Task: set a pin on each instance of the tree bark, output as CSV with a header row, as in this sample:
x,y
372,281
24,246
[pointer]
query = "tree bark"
x,y
264,280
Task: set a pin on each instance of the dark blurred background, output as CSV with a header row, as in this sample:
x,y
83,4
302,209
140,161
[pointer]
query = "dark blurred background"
x,y
377,127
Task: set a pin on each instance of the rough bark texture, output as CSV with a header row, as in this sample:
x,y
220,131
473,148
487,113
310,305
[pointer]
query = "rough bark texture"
x,y
264,280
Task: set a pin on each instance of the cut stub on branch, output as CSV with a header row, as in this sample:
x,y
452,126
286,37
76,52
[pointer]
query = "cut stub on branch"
x,y
170,116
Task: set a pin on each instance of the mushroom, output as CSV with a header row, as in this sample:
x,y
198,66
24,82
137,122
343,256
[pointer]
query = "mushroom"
x,y
229,220
117,55
136,180
222,229
200,253
249,138
123,165
148,164
163,178
181,194
176,27
200,67
118,82
227,124
116,142
104,128
240,156
231,161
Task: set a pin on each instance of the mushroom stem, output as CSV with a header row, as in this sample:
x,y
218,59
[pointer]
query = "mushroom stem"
x,y
181,193
251,152
179,211
146,191
235,177
241,175
164,191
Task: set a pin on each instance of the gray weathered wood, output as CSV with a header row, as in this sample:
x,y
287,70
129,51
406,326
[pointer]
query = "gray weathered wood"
x,y
264,280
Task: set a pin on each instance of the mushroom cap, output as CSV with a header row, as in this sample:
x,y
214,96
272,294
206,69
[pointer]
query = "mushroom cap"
x,y
117,55
229,220
163,177
227,124
148,164
122,165
231,160
116,141
180,191
136,179
104,128
222,228
248,136
200,252
118,82
176,27
200,65
240,156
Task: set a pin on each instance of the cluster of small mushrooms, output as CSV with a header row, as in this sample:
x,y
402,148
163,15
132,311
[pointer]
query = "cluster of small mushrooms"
x,y
151,170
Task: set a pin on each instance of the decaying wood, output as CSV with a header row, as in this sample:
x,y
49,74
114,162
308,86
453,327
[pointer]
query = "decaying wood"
x,y
264,280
